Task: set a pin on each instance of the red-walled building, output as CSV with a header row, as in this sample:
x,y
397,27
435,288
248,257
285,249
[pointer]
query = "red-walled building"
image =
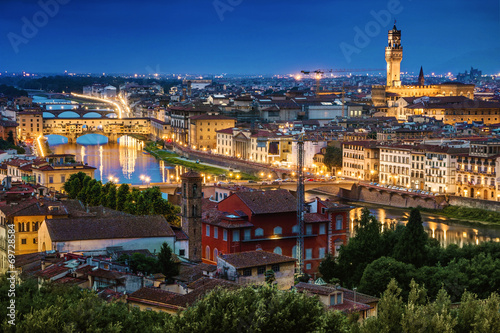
x,y
267,220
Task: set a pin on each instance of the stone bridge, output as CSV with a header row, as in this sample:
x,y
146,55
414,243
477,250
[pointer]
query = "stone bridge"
x,y
112,128
80,111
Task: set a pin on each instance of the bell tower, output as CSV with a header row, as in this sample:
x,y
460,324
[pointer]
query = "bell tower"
x,y
393,56
191,212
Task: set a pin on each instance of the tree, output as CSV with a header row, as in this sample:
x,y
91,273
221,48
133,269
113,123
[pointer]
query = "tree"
x,y
361,250
380,272
10,138
327,268
333,157
263,309
111,197
166,262
411,246
145,264
121,197
390,309
95,194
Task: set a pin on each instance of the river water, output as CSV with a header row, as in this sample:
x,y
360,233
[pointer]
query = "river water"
x,y
126,161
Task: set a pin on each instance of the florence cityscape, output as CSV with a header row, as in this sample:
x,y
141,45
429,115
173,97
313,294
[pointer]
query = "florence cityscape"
x,y
237,166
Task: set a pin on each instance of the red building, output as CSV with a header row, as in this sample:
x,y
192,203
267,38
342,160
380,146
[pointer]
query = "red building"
x,y
267,220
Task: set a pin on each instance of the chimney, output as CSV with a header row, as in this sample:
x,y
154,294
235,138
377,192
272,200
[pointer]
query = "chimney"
x,y
42,264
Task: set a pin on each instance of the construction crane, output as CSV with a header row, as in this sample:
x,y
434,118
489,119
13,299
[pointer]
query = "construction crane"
x,y
318,74
300,203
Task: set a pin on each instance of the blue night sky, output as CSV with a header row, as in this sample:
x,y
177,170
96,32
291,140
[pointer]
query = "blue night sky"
x,y
249,36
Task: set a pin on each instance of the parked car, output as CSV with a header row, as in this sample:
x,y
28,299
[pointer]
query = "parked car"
x,y
275,182
265,183
310,180
252,181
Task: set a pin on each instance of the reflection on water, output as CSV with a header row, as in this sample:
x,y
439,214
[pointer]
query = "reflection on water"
x,y
445,230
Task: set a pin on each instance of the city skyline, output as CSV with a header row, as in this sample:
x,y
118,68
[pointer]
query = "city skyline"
x,y
239,37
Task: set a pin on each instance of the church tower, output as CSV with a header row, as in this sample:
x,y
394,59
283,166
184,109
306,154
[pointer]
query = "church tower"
x,y
191,212
421,79
393,56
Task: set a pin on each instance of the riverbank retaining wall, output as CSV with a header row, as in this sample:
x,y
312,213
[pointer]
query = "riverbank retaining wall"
x,y
474,203
391,198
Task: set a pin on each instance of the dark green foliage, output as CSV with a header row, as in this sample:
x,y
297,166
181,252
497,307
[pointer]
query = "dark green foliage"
x,y
11,92
6,144
121,197
10,138
411,246
380,272
371,259
333,157
166,263
258,310
467,214
327,268
147,202
110,199
60,308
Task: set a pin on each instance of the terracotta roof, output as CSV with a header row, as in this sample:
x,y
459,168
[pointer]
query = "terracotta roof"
x,y
52,271
189,273
108,275
209,283
313,218
268,202
70,280
152,294
108,227
179,234
226,131
349,306
255,258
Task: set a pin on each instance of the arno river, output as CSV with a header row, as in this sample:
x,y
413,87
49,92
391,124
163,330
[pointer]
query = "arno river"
x,y
127,162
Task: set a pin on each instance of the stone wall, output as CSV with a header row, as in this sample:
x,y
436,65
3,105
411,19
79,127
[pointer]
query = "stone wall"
x,y
390,198
474,203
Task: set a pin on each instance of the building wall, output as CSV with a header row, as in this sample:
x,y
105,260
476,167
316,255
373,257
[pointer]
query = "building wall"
x,y
395,166
59,176
153,244
203,132
30,125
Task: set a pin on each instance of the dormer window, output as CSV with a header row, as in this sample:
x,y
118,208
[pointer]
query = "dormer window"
x,y
336,298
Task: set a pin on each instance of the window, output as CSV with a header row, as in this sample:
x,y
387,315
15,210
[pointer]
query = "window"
x,y
261,270
207,232
182,252
294,251
295,229
247,234
216,254
322,251
308,266
277,250
63,178
323,210
207,252
309,253
216,232
247,272
236,235
275,268
309,229
23,241
259,232
339,298
277,231
51,179
224,235
322,229
339,221
35,240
